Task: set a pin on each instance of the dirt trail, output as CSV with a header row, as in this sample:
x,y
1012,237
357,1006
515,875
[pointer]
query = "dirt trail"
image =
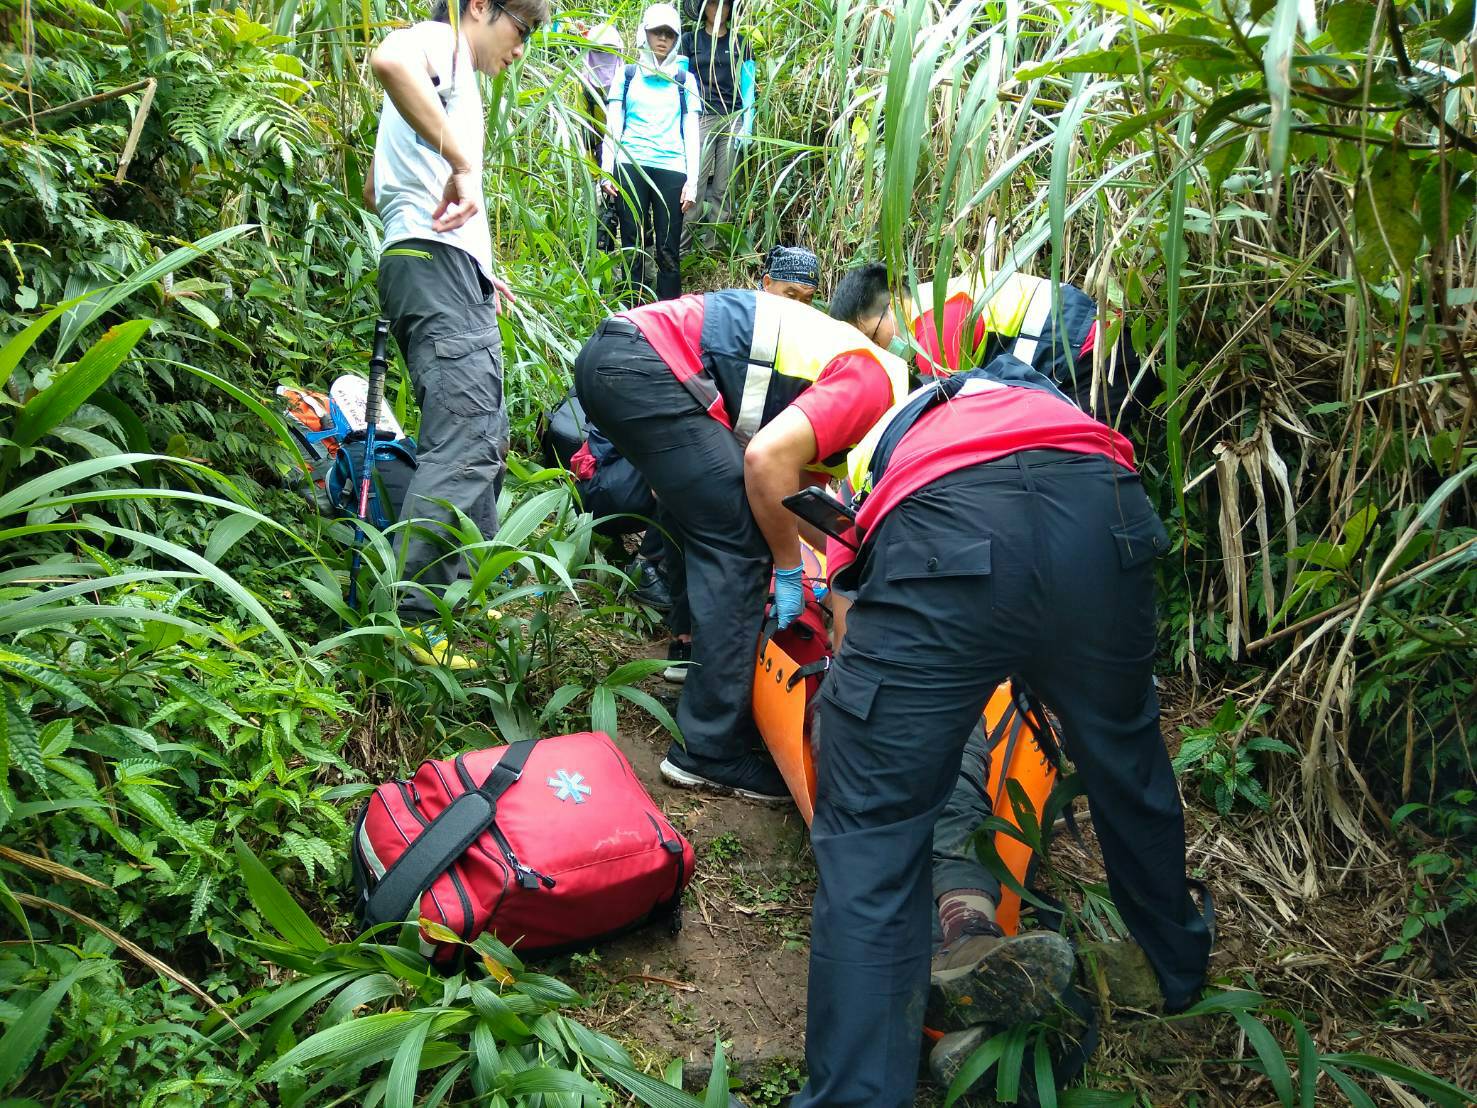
x,y
737,969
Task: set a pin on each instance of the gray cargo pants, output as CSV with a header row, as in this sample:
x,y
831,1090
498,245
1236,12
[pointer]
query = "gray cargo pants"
x,y
955,864
715,169
442,314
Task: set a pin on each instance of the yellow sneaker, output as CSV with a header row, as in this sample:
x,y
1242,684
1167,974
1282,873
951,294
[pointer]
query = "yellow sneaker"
x,y
430,648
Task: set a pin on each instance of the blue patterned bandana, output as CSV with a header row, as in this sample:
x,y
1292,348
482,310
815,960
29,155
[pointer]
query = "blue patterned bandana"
x,y
794,264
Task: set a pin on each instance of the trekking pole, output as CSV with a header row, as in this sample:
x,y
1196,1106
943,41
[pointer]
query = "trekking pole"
x,y
373,401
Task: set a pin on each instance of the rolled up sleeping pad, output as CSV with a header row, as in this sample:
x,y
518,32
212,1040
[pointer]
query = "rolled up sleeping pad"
x,y
786,681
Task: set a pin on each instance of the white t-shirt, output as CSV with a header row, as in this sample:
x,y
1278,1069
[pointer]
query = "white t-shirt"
x,y
409,174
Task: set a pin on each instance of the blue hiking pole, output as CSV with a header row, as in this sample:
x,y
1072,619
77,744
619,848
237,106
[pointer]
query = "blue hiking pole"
x,y
373,400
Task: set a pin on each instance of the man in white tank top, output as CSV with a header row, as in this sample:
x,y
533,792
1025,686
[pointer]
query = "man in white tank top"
x,y
436,280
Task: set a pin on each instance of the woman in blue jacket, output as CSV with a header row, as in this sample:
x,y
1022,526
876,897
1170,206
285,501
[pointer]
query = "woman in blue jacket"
x,y
651,148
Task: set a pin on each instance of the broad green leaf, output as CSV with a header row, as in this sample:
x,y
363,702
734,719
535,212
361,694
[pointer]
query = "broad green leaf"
x,y
1350,25
287,995
602,710
546,1079
487,1057
198,310
444,1084
1459,23
275,903
20,737
1273,1061
72,388
716,1095
1308,1061
1043,1072
1441,1091
367,1036
1356,1096
1233,1000
1277,66
226,534
633,671
1121,60
1384,215
975,1066
652,707
497,1015
1012,1058
646,1089
406,1068
1458,195
1356,529
25,1034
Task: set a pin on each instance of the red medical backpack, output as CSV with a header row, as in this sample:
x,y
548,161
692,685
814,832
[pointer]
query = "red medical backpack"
x,y
547,844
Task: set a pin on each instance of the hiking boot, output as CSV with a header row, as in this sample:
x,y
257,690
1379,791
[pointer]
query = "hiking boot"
x,y
679,661
651,588
1125,969
430,648
987,977
950,1053
753,777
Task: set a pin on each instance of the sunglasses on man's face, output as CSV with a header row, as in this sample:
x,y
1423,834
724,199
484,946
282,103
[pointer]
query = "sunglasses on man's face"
x,y
662,32
524,30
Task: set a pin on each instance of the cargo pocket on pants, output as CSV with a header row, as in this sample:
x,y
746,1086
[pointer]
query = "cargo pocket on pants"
x,y
846,762
470,373
1140,541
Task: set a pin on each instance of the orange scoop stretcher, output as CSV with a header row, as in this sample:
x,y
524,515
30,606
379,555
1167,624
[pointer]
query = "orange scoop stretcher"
x,y
787,679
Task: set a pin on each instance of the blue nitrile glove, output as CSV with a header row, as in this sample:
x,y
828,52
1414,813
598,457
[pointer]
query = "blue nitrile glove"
x,y
789,595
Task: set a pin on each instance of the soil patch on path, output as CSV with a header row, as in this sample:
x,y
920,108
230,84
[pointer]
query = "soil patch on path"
x,y
737,968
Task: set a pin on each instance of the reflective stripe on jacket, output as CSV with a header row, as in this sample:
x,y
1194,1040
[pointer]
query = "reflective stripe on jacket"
x,y
761,351
1018,319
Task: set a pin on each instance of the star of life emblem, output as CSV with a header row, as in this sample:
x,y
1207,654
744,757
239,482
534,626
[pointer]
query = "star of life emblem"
x,y
569,786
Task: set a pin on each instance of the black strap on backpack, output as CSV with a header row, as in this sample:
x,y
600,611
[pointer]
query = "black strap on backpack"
x,y
681,97
443,841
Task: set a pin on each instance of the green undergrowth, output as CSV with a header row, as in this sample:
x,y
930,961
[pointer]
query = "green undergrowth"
x,y
1270,200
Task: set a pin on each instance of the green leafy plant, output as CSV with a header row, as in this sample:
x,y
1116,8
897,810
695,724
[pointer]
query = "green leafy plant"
x,y
495,1024
1225,764
1444,881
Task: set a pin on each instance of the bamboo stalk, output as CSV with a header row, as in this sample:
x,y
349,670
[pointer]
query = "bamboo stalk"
x,y
1386,586
145,102
86,101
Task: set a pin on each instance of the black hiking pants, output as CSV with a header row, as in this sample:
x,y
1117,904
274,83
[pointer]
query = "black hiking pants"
x,y
652,198
1039,564
695,467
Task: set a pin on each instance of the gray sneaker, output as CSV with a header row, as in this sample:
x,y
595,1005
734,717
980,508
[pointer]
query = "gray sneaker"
x,y
752,777
994,979
950,1053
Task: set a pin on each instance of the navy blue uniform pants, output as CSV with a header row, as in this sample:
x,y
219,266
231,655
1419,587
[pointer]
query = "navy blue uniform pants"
x,y
1039,564
695,467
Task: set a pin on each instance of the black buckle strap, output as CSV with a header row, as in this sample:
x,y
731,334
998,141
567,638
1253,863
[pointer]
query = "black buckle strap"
x,y
443,841
809,669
